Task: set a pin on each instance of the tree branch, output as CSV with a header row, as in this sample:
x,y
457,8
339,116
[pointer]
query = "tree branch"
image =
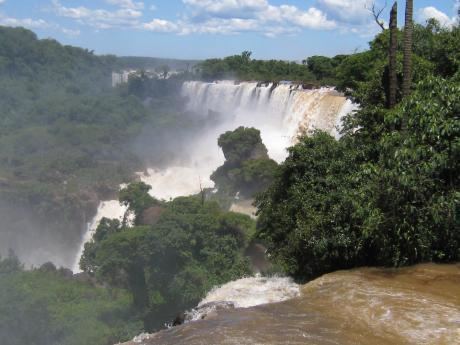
x,y
376,13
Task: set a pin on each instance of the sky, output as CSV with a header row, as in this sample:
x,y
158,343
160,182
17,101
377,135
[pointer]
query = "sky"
x,y
198,29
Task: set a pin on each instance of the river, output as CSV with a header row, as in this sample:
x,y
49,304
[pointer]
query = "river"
x,y
414,305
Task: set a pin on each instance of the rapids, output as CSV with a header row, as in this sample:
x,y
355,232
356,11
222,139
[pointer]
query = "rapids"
x,y
415,305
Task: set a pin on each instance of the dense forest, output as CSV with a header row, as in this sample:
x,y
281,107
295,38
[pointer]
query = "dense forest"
x,y
67,138
313,71
386,193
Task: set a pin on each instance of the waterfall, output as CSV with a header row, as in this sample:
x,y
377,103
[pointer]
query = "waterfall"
x,y
281,112
107,209
245,293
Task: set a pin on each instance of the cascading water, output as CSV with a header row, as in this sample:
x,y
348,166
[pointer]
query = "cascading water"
x,y
107,209
280,112
409,306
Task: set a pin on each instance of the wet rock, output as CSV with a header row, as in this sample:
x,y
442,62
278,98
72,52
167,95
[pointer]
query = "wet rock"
x,y
308,86
179,320
207,310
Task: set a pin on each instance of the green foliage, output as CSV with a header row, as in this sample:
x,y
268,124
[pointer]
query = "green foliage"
x,y
388,192
242,144
325,68
169,266
247,168
66,136
308,216
137,198
244,68
46,308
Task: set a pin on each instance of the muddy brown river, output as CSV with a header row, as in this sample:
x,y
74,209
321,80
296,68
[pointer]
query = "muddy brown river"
x,y
416,305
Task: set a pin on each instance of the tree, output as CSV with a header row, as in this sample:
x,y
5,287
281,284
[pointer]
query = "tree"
x,y
137,198
320,66
247,168
408,41
393,78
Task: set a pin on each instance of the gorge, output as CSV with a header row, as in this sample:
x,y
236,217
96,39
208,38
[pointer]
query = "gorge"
x,y
281,112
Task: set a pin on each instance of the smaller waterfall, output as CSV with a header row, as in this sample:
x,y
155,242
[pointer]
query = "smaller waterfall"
x,y
245,293
107,209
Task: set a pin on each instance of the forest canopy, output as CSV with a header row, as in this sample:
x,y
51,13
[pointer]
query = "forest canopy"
x,y
388,192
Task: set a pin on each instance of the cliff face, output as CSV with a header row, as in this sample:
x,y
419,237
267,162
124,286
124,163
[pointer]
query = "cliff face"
x,y
417,305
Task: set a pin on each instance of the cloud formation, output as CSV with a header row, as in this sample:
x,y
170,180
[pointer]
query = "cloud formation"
x,y
25,22
130,4
204,16
238,16
431,12
347,11
101,18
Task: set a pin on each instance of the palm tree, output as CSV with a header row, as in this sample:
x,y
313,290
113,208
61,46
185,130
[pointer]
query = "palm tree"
x,y
393,82
407,63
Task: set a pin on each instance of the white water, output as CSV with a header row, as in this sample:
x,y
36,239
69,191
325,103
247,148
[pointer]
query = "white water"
x,y
107,209
252,291
246,293
281,113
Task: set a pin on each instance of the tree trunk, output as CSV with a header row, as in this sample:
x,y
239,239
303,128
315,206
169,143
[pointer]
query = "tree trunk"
x,y
407,64
393,82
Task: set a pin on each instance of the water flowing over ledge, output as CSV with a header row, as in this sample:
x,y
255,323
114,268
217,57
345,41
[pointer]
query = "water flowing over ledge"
x,y
245,293
414,305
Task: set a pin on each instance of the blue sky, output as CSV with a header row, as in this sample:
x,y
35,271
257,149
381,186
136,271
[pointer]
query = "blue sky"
x,y
196,29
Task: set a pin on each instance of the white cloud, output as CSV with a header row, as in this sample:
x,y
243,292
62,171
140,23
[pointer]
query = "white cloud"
x,y
347,11
313,18
2,1
99,18
229,17
227,8
25,22
34,24
133,5
160,25
431,12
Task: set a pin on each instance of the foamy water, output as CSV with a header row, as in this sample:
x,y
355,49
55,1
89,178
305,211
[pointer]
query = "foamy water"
x,y
408,306
281,113
245,293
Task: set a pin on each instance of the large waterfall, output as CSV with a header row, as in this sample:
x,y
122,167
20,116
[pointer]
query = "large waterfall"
x,y
280,112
